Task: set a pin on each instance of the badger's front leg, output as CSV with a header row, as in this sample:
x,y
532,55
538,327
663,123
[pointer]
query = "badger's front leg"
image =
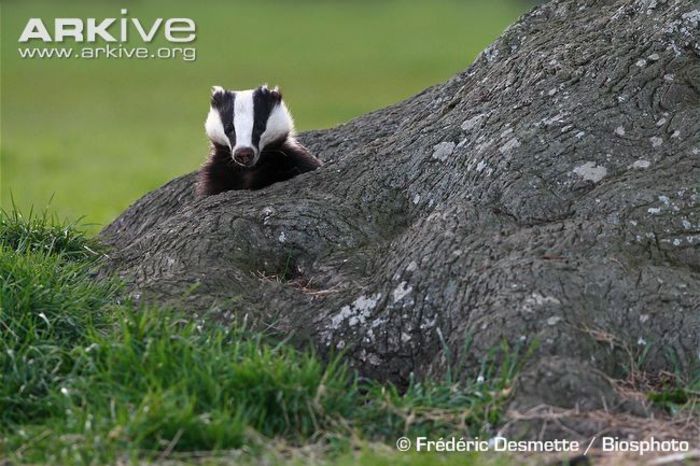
x,y
219,173
300,156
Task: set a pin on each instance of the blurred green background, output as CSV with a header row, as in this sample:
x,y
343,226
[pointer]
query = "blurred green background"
x,y
93,136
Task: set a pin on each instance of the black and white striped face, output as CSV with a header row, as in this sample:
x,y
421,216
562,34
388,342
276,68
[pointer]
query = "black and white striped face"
x,y
246,122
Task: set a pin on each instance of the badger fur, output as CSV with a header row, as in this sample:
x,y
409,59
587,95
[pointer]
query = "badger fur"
x,y
252,142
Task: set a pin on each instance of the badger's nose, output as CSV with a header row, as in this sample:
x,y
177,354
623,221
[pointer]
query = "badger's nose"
x,y
244,156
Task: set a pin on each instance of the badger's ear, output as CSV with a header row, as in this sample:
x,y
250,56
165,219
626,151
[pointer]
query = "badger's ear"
x,y
276,94
217,94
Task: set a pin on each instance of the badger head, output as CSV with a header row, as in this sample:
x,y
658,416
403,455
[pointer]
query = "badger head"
x,y
245,122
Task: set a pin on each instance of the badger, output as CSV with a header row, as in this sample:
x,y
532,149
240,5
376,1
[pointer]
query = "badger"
x,y
252,142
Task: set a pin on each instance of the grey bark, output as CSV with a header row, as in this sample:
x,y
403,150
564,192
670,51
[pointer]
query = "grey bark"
x,y
549,192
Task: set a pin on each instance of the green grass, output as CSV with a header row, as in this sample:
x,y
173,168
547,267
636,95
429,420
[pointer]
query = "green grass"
x,y
676,392
97,135
88,379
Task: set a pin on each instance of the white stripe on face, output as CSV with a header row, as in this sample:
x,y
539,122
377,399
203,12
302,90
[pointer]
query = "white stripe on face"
x,y
279,124
243,119
215,128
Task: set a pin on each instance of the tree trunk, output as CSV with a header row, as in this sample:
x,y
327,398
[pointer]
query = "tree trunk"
x,y
548,193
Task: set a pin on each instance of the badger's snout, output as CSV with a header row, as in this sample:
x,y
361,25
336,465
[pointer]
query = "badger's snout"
x,y
244,156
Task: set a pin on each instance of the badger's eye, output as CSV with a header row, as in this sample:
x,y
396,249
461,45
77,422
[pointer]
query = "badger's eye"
x,y
228,128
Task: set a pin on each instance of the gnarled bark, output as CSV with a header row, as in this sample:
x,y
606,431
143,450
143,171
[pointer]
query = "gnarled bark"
x,y
549,192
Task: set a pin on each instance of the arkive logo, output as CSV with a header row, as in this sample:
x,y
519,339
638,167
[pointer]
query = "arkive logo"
x,y
174,29
114,33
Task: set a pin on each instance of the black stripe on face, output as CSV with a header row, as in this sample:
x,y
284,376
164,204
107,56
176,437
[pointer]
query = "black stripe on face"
x,y
223,103
264,101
